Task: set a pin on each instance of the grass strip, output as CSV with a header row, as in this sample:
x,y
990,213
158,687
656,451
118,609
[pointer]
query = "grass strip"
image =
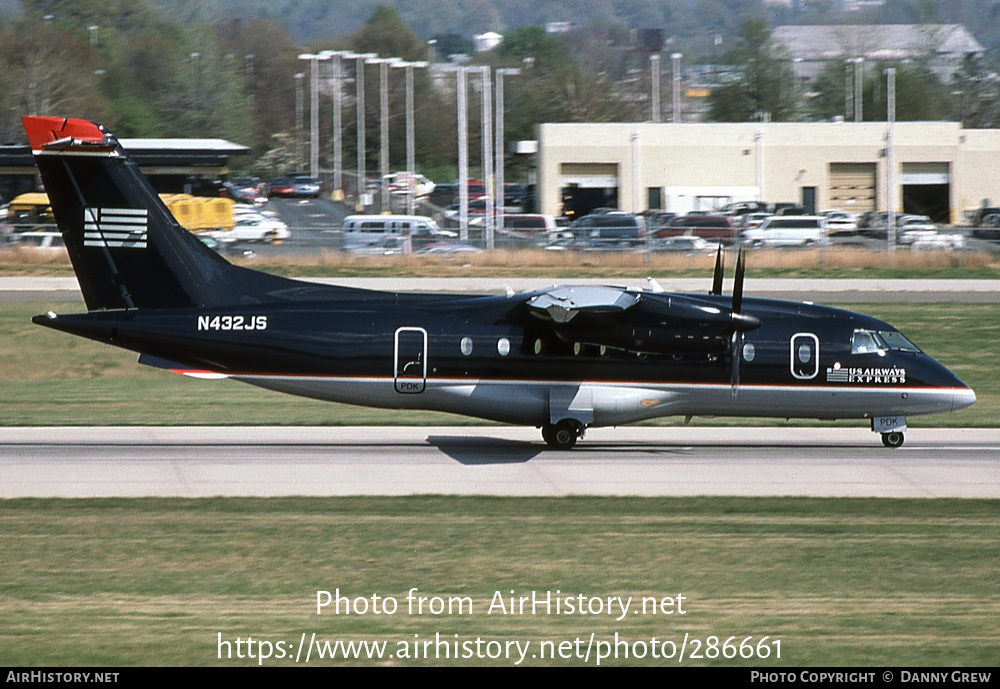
x,y
847,582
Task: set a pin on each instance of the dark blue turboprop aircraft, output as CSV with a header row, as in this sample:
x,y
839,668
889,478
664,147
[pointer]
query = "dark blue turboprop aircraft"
x,y
563,359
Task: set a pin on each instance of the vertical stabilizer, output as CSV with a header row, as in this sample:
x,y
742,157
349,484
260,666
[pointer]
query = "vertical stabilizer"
x,y
128,251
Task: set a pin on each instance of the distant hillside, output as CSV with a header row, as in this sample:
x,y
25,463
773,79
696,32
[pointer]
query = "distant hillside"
x,y
694,22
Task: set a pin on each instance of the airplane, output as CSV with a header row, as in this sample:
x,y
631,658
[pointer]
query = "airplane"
x,y
563,359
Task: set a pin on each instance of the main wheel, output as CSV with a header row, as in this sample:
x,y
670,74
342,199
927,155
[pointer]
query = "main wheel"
x,y
562,435
894,439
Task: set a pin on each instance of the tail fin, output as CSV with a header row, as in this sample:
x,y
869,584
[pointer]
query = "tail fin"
x,y
128,251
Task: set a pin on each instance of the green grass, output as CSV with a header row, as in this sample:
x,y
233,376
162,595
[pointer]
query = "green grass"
x,y
839,582
51,378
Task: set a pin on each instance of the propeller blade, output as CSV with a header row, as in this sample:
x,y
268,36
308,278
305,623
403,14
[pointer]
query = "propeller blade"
x,y
738,284
719,269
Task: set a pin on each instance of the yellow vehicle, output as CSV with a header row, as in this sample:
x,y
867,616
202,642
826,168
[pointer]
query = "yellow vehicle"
x,y
31,212
199,214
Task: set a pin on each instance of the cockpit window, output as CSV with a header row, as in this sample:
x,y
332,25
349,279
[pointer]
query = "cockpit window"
x,y
872,342
896,341
865,342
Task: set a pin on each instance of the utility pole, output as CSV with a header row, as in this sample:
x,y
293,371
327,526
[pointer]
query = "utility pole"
x,y
499,152
890,158
676,60
654,85
410,145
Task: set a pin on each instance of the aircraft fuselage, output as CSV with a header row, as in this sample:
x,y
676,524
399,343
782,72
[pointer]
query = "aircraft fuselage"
x,y
481,356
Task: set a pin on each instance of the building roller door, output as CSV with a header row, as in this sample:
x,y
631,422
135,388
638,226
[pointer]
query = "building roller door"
x,y
852,187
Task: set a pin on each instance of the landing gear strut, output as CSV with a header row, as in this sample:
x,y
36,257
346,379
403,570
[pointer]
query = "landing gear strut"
x,y
893,439
562,435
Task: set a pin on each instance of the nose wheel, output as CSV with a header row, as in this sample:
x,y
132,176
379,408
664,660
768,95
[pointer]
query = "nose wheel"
x,y
893,439
562,435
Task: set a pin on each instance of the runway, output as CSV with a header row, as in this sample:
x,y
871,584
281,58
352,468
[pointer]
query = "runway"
x,y
495,460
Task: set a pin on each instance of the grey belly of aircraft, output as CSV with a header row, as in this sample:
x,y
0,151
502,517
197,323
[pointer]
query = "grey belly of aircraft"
x,y
535,403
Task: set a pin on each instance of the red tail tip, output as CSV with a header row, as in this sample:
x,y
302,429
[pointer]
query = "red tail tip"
x,y
45,130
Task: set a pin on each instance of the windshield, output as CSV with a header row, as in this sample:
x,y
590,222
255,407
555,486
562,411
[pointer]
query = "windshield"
x,y
872,342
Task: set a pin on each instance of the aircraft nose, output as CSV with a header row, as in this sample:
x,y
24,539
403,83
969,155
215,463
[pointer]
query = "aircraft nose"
x,y
960,399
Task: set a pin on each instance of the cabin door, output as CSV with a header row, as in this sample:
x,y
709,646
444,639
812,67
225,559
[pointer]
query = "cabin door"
x,y
804,356
410,360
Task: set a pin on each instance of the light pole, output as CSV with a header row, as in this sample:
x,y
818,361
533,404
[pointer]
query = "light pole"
x,y
314,60
676,58
487,135
463,158
654,85
858,83
890,159
337,78
411,164
359,84
383,101
463,149
298,118
499,151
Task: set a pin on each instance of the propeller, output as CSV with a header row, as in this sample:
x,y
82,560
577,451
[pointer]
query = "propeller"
x,y
742,322
719,269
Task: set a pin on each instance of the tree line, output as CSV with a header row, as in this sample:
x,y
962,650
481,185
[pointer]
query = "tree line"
x,y
147,72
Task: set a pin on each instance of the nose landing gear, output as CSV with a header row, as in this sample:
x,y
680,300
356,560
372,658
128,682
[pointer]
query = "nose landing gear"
x,y
893,439
891,428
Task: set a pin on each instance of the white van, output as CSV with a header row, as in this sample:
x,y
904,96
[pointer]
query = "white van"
x,y
788,230
363,231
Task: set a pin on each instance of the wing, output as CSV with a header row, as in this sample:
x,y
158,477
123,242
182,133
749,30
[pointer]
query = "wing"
x,y
564,304
641,322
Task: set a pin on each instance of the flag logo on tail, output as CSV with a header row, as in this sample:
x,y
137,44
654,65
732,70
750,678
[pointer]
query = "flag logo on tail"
x,y
125,228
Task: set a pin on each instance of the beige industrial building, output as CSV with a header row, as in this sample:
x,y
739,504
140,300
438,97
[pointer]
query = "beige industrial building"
x,y
941,169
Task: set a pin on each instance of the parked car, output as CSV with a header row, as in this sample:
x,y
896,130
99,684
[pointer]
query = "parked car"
x,y
988,227
252,227
912,228
743,208
612,228
717,228
362,231
657,220
788,230
840,223
753,220
304,186
981,213
245,190
683,244
938,242
528,224
402,182
440,248
476,207
280,186
295,186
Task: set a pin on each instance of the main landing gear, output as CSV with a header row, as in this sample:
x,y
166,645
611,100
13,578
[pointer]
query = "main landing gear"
x,y
893,439
562,435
